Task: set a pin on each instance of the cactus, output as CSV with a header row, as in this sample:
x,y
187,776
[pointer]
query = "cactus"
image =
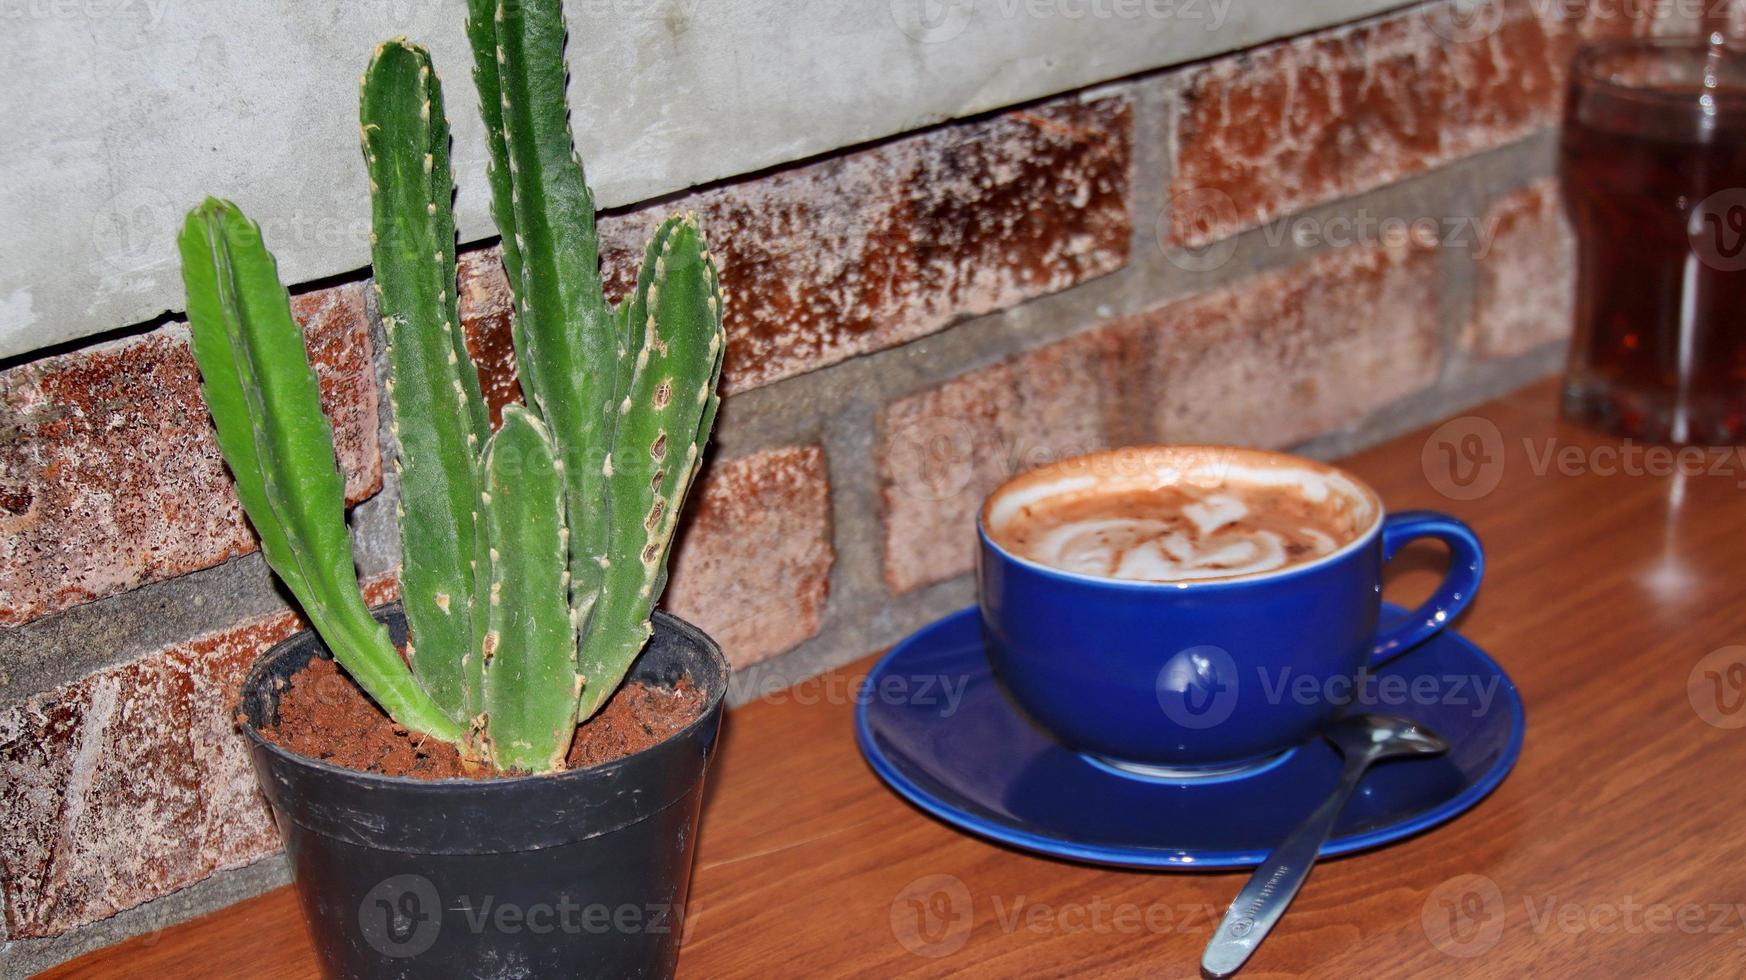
x,y
533,557
665,412
440,422
565,333
629,393
264,402
531,684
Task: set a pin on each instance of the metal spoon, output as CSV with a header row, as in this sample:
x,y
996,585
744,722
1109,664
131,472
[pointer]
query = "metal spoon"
x,y
1362,739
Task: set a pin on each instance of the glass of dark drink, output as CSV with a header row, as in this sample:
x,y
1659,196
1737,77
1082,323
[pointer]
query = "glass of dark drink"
x,y
1653,160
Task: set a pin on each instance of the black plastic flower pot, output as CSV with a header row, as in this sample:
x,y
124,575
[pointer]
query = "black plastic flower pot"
x,y
575,874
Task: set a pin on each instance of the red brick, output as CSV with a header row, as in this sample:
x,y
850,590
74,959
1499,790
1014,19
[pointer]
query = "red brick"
x,y
130,784
1524,285
486,309
1270,361
1284,357
943,450
1290,125
111,473
133,782
870,249
753,566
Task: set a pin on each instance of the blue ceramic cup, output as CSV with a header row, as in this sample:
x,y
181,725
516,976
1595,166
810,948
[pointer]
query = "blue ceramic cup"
x,y
1209,674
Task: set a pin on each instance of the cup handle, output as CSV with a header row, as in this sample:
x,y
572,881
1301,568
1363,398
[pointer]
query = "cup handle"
x,y
1466,566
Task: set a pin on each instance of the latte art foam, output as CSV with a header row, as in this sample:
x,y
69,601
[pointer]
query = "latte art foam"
x,y
1213,538
1181,525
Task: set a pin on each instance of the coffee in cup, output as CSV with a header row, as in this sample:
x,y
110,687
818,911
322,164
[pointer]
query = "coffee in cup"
x,y
1151,606
1195,514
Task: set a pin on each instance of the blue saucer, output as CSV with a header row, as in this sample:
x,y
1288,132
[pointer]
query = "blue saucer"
x,y
934,724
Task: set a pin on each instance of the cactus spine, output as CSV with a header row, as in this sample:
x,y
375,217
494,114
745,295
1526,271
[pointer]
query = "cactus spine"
x,y
534,556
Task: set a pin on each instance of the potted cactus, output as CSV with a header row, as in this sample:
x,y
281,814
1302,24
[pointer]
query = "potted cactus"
x,y
532,556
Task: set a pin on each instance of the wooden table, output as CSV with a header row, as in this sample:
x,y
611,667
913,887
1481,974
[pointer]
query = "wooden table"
x,y
1617,848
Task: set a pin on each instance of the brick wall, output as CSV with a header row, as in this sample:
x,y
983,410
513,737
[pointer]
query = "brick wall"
x,y
1315,244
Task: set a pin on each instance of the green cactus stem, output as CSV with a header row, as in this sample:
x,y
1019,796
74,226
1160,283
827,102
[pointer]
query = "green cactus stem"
x,y
665,414
482,36
564,331
265,403
439,417
629,394
531,683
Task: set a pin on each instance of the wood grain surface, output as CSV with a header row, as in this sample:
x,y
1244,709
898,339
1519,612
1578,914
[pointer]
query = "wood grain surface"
x,y
1617,848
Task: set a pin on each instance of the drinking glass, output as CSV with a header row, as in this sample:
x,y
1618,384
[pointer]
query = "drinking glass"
x,y
1653,160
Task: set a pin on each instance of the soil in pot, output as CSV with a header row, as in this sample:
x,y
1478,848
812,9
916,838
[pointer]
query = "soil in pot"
x,y
325,716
